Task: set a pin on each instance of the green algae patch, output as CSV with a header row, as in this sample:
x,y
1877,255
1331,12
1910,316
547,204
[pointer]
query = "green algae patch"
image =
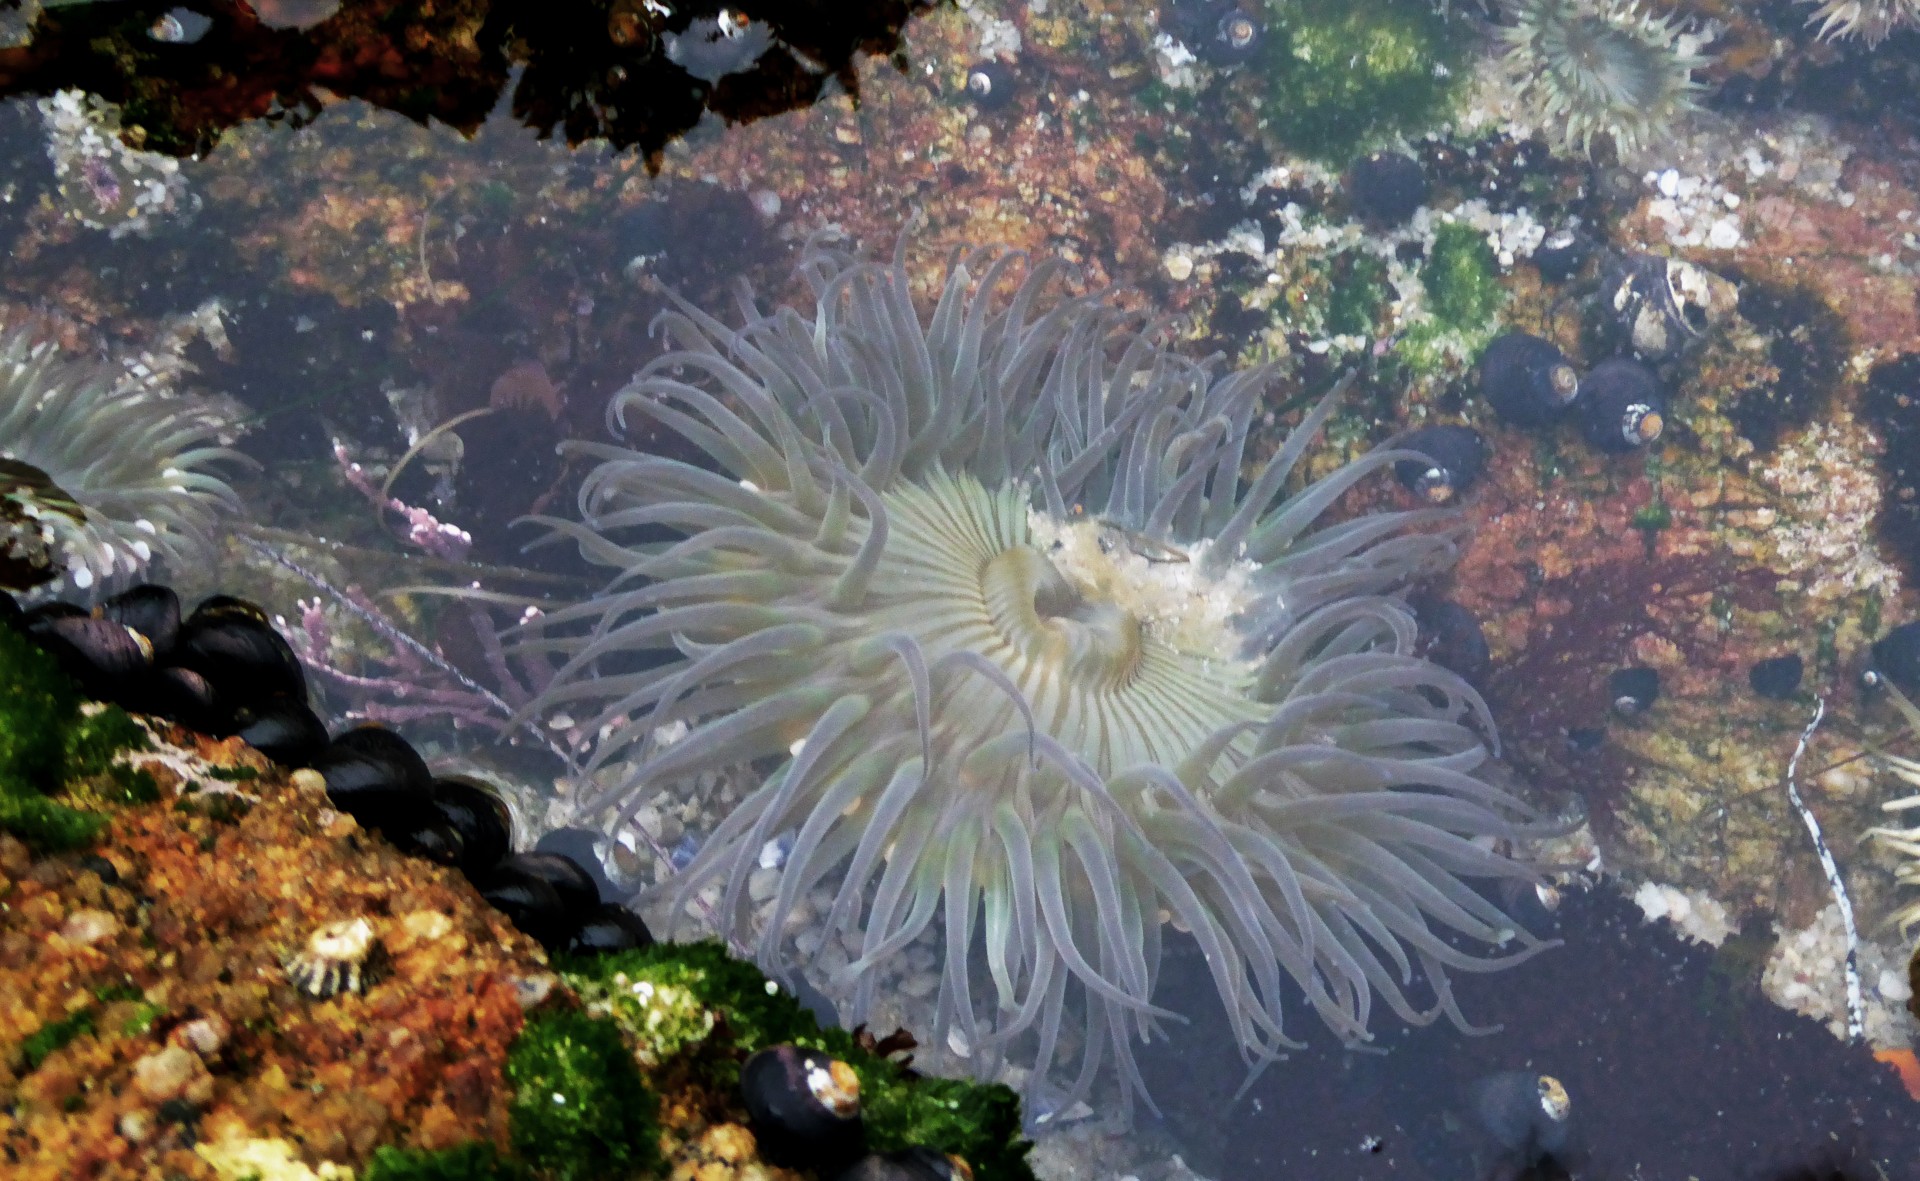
x,y
43,1042
53,744
1461,278
581,1111
39,710
1343,76
475,1161
696,1002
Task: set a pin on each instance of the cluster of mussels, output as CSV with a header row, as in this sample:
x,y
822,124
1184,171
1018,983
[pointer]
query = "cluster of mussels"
x,y
224,671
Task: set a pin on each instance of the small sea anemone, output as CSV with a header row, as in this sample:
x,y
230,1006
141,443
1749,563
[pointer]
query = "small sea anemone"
x,y
1873,21
99,471
985,597
1601,67
1904,841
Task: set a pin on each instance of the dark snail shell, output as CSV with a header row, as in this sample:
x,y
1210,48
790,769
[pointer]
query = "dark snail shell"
x,y
374,776
234,646
1386,188
1527,380
990,85
153,611
908,1164
1561,255
1526,1113
1452,638
1777,676
529,901
804,1108
609,927
1237,38
1896,658
1621,407
431,839
1660,305
283,729
1457,453
1633,690
480,817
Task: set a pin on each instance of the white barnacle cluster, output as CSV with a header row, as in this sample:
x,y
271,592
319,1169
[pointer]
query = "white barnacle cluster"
x,y
103,183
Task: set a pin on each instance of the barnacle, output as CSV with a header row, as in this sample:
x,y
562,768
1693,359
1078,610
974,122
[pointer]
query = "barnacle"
x,y
99,474
341,956
1026,657
1600,67
1873,21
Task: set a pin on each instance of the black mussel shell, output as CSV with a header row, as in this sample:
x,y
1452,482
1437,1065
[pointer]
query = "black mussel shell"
x,y
480,817
1452,638
1458,456
374,776
804,1108
1896,658
1621,407
153,611
433,840
234,646
909,1164
1777,676
990,85
610,927
282,729
582,847
578,891
184,696
1561,256
1633,690
1236,38
529,901
1527,380
1386,188
110,661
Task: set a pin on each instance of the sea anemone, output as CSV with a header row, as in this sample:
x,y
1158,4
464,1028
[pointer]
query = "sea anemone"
x,y
985,598
1904,841
1601,67
99,471
1873,21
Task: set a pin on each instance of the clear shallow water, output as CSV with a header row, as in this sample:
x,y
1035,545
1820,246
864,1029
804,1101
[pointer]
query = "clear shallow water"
x,y
396,261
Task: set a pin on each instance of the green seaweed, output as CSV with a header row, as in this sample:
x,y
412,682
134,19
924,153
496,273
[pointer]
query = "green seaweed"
x,y
1343,76
1358,295
37,704
581,1111
475,1160
977,1122
41,1044
1461,278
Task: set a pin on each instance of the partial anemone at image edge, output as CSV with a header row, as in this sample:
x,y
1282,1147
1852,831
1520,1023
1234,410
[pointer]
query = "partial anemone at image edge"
x,y
1033,663
100,474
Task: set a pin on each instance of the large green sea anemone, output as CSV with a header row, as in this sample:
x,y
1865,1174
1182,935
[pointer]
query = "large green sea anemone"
x,y
1021,653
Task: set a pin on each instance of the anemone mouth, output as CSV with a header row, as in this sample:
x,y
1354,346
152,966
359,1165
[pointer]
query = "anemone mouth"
x,y
1034,665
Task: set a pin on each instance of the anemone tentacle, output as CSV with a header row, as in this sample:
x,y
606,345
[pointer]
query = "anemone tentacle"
x,y
1035,667
116,477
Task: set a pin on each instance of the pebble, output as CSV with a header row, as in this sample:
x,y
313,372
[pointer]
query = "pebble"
x,y
308,779
135,1126
172,1073
1179,266
204,1036
84,928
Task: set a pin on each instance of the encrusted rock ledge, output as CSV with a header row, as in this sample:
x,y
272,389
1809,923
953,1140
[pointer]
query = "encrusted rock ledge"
x,y
161,894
